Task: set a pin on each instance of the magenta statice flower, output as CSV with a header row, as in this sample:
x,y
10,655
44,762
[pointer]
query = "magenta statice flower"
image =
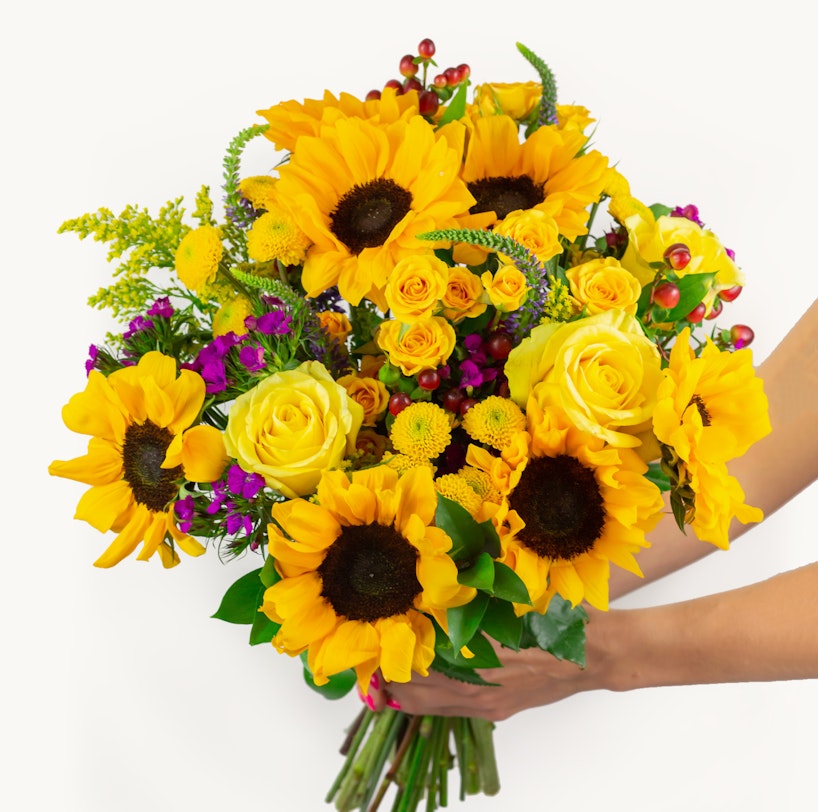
x,y
251,356
210,362
237,522
242,483
93,352
689,212
470,374
274,323
161,308
185,510
138,325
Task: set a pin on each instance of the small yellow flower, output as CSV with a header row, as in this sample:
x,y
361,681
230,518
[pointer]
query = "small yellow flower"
x,y
494,421
456,488
514,99
426,344
623,205
573,117
230,317
535,229
415,286
506,288
370,393
276,236
463,298
559,304
616,184
603,284
403,463
258,189
335,324
421,430
480,482
198,257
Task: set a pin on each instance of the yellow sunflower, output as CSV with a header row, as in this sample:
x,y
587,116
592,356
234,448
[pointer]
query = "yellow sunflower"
x,y
361,192
544,172
142,446
578,505
362,569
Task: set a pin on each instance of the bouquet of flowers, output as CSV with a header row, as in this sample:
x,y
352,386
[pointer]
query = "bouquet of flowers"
x,y
403,373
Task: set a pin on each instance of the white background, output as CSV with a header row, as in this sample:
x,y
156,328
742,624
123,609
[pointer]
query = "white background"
x,y
119,692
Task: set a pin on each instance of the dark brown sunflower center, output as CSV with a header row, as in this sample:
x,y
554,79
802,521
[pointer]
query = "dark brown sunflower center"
x,y
505,195
698,402
558,498
142,455
369,573
367,213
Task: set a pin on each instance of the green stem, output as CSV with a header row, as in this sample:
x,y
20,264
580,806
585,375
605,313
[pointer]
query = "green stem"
x,y
483,737
381,745
353,749
584,238
416,780
469,767
407,739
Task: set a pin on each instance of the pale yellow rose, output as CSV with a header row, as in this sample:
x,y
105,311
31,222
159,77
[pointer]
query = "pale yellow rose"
x,y
602,371
369,393
603,284
535,229
507,288
573,117
515,99
336,325
292,426
463,298
415,286
426,344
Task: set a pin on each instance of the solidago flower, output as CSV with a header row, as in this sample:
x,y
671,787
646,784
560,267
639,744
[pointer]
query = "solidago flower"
x,y
362,193
143,445
198,257
275,235
421,430
362,570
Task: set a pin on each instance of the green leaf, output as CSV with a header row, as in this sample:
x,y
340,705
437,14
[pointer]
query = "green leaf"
x,y
501,622
480,575
469,538
657,476
560,631
465,620
479,646
339,685
509,586
458,673
456,108
269,574
692,289
242,599
263,629
660,210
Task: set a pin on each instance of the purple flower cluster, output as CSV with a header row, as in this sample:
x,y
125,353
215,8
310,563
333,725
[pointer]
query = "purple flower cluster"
x,y
689,212
476,369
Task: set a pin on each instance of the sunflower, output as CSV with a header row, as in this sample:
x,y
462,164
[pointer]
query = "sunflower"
x,y
577,505
142,445
545,172
362,569
361,192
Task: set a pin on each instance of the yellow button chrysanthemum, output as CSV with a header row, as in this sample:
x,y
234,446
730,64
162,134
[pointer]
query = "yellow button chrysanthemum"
x,y
421,430
494,421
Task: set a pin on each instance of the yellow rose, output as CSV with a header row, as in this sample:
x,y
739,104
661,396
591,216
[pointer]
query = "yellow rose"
x,y
292,426
415,286
426,344
516,99
573,117
507,288
369,393
602,371
335,325
603,284
463,296
535,229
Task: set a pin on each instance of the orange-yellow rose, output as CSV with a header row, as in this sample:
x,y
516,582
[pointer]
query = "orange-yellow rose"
x,y
603,284
463,296
506,288
602,371
426,344
292,426
336,325
415,286
535,229
369,393
515,99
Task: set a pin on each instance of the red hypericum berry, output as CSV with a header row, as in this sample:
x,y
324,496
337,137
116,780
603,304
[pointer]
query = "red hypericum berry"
x,y
373,95
677,256
398,402
715,310
502,389
426,48
465,71
428,103
453,76
730,294
741,336
452,400
440,81
408,67
499,345
412,84
466,404
398,85
428,379
667,295
697,313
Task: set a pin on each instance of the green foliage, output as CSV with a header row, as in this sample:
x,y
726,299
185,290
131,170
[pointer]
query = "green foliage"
x,y
658,476
560,631
517,252
456,108
339,685
548,102
241,601
232,165
660,210
469,537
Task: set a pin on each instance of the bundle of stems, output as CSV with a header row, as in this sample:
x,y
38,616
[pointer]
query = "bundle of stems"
x,y
414,755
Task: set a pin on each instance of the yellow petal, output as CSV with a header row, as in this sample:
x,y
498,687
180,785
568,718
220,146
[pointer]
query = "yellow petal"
x,y
125,543
203,454
306,522
397,640
102,505
101,466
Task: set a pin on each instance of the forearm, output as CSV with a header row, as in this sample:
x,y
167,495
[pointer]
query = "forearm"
x,y
772,472
766,631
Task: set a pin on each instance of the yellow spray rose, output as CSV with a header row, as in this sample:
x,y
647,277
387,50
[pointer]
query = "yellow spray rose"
x,y
370,393
603,284
602,371
463,298
515,99
426,344
292,426
506,288
535,229
415,286
336,325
